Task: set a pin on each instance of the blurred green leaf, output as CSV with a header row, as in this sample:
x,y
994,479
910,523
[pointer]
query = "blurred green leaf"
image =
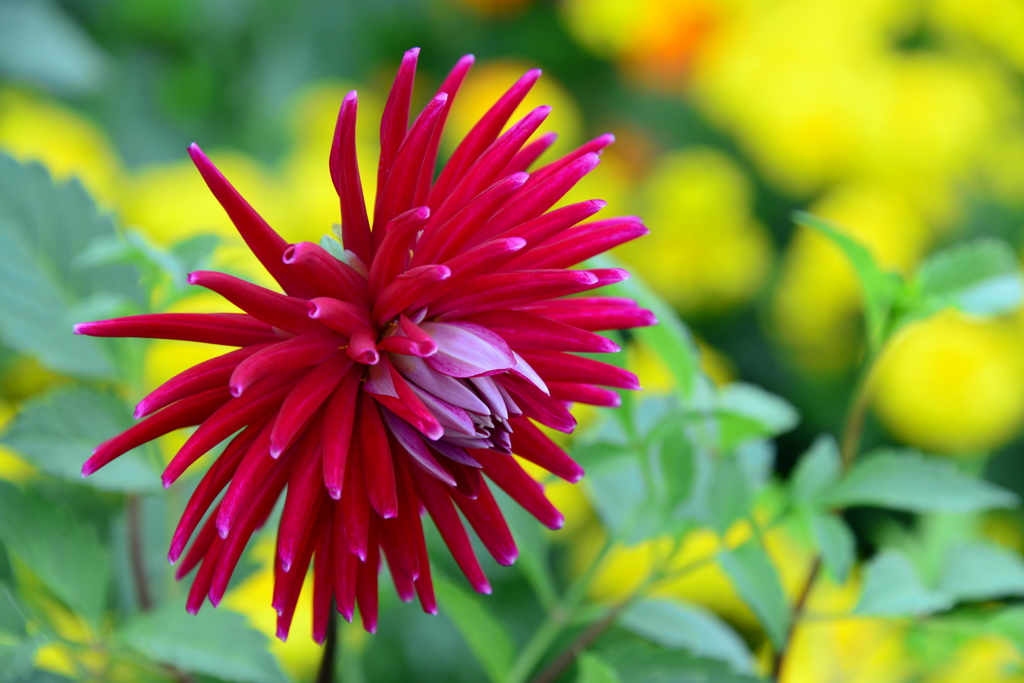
x,y
533,548
484,634
747,412
214,642
17,658
981,571
907,480
670,338
592,669
817,470
41,44
837,543
673,466
42,228
1009,623
757,581
980,277
640,662
63,553
729,497
880,288
892,587
686,627
12,612
56,432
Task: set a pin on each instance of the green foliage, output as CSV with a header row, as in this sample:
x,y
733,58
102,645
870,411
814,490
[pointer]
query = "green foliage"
x,y
54,430
593,669
43,227
486,636
892,587
214,642
980,278
908,480
56,546
678,626
757,581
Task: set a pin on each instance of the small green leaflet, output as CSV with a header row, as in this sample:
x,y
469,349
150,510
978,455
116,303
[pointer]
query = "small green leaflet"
x,y
484,634
676,625
63,553
978,570
592,669
817,470
893,587
880,288
837,543
56,432
757,581
907,480
747,412
980,277
215,642
42,228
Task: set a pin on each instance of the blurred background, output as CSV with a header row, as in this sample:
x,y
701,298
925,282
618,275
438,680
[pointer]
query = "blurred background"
x,y
902,120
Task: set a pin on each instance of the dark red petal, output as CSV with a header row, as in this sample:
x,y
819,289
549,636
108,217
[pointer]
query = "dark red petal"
x,y
310,348
366,577
323,580
207,375
288,585
185,413
582,242
450,86
199,547
355,226
378,467
355,505
337,431
574,392
304,399
406,289
226,329
489,524
305,496
324,274
594,314
481,136
345,564
565,367
530,153
538,405
340,316
436,499
288,313
504,471
204,577
362,346
393,251
264,243
503,290
530,443
529,331
394,123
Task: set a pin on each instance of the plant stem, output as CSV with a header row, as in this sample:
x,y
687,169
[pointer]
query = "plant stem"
x,y
565,659
848,453
137,553
326,672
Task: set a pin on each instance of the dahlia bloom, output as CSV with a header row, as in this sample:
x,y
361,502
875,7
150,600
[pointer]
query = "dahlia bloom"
x,y
399,379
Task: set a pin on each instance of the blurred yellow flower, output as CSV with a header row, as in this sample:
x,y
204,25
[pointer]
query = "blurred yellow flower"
x,y
817,303
655,40
12,467
952,384
830,647
33,129
984,659
705,252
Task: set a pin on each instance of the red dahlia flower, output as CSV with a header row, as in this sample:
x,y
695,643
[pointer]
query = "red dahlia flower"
x,y
399,379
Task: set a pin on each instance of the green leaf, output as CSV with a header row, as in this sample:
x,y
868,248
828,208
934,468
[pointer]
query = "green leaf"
x,y
892,587
57,431
17,658
673,454
687,627
484,634
592,669
880,288
817,470
907,480
981,571
640,662
1009,623
42,228
670,338
755,577
12,613
980,277
533,548
41,43
837,543
747,412
214,642
729,497
62,552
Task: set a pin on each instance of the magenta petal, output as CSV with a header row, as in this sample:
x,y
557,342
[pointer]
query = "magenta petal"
x,y
467,350
410,440
444,387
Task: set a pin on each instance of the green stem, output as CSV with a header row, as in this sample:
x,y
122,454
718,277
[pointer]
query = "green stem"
x,y
848,451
